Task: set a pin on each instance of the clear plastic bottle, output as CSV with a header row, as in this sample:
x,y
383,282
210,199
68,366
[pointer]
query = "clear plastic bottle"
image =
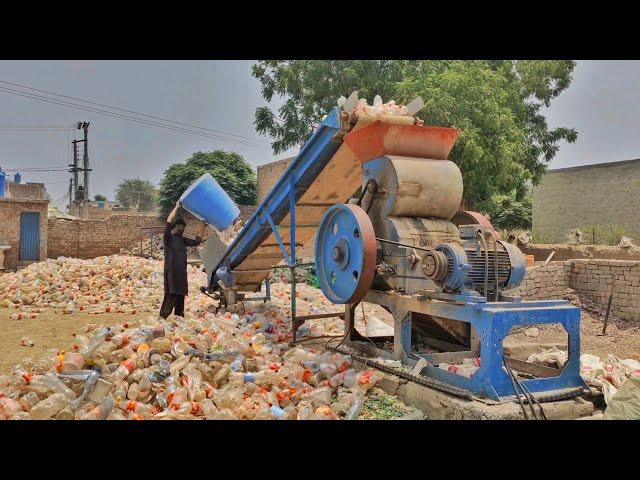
x,y
222,374
28,400
133,392
354,411
208,409
236,365
143,409
102,411
95,342
304,410
48,407
124,370
52,381
144,388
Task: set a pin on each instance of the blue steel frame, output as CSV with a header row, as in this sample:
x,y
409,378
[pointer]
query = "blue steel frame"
x,y
305,168
492,322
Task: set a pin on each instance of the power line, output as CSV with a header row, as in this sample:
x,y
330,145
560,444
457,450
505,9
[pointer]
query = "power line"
x,y
129,111
128,117
124,117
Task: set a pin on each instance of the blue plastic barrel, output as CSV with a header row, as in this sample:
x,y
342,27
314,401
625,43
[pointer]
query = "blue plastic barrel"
x,y
206,200
2,177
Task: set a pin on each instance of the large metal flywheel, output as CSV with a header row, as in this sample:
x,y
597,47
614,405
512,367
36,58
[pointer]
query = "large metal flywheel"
x,y
345,253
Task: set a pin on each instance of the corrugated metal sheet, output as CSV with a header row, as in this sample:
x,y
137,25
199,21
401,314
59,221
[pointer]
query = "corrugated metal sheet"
x,y
29,236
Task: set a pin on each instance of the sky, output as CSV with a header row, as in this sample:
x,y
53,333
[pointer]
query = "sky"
x,y
602,104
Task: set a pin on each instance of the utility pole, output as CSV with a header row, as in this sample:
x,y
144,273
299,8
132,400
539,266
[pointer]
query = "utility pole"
x,y
85,160
85,168
71,193
74,169
74,194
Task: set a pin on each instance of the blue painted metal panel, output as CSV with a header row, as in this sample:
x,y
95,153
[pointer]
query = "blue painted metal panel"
x,y
29,236
305,168
493,322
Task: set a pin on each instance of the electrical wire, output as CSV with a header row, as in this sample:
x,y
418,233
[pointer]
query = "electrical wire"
x,y
131,118
544,416
515,390
131,111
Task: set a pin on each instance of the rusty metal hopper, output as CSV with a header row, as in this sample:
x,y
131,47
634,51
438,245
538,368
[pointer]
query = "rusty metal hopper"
x,y
378,139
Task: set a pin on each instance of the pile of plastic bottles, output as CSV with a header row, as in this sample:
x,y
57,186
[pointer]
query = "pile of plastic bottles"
x,y
114,284
211,367
378,108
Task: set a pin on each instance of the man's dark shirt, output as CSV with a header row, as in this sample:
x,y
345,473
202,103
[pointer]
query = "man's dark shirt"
x,y
175,261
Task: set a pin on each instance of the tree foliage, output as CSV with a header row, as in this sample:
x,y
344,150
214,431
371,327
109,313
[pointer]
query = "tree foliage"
x,y
497,105
137,193
510,214
230,170
100,198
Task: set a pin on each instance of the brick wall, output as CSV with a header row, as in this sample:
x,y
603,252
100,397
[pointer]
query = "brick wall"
x,y
544,282
10,209
589,277
269,174
564,251
32,191
605,195
96,237
246,211
594,278
97,212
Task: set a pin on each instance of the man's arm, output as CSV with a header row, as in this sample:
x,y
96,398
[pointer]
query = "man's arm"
x,y
170,219
174,212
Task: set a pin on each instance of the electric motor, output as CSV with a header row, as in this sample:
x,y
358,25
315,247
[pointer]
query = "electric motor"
x,y
472,262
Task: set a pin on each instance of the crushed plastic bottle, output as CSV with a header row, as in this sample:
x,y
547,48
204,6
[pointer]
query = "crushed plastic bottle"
x,y
207,365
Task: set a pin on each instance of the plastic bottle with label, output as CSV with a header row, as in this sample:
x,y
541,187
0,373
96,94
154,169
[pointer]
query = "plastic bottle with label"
x,y
124,370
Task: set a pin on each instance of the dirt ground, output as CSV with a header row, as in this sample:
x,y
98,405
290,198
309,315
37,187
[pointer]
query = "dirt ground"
x,y
55,330
622,338
49,330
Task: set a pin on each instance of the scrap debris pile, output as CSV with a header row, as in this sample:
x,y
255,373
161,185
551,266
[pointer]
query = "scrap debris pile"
x,y
214,367
378,108
115,284
608,375
207,365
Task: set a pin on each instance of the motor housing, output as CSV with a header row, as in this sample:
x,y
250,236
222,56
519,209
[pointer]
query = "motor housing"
x,y
466,265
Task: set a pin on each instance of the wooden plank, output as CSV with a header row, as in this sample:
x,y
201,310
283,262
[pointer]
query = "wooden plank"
x,y
539,371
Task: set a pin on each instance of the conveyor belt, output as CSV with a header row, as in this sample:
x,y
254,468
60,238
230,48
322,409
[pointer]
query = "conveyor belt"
x,y
325,172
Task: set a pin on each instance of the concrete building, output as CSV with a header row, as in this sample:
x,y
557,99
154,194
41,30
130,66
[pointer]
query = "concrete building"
x,y
23,224
602,200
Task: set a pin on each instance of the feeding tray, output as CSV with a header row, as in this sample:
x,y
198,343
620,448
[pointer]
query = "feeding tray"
x,y
378,139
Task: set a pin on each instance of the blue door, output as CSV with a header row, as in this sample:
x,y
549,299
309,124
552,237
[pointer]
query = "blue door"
x,y
29,236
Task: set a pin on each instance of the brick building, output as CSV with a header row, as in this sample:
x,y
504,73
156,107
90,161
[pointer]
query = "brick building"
x,y
269,174
23,224
97,236
601,199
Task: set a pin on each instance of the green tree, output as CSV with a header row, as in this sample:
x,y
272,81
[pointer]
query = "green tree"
x,y
497,105
137,193
230,170
510,214
100,198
